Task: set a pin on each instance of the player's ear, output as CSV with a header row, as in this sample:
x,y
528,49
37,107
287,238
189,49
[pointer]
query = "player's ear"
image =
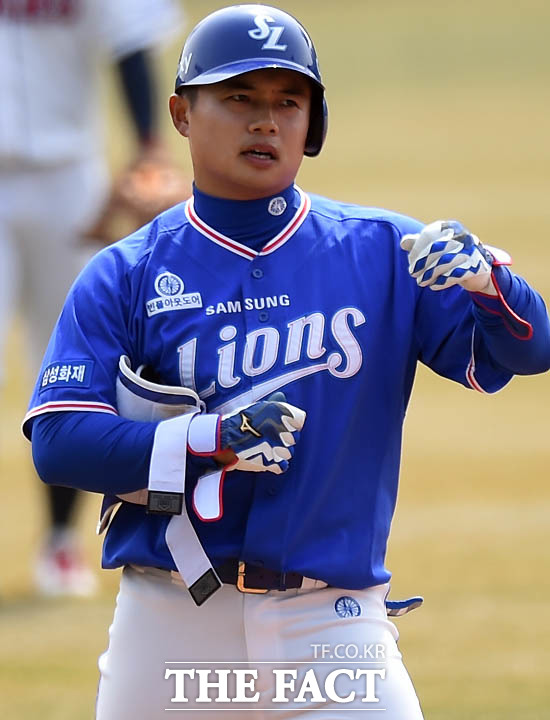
x,y
179,110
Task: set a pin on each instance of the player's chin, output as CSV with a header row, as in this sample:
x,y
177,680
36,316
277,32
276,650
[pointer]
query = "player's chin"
x,y
264,182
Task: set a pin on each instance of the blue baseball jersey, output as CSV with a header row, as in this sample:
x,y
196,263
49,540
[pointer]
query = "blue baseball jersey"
x,y
325,310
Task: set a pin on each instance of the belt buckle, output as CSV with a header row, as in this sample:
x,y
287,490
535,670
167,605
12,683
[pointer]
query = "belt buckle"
x,y
241,587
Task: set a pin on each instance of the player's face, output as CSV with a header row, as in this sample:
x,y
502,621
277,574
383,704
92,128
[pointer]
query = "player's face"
x,y
247,134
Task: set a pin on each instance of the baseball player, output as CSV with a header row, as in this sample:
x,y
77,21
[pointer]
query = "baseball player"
x,y
233,377
53,178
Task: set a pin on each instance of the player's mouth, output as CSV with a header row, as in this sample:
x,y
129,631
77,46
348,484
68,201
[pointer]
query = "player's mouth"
x,y
261,155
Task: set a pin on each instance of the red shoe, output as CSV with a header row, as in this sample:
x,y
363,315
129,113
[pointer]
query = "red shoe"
x,y
60,569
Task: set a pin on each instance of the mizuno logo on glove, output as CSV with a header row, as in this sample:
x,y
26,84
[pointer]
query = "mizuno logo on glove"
x,y
247,427
275,421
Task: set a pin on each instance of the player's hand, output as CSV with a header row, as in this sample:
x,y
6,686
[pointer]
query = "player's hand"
x,y
445,253
262,435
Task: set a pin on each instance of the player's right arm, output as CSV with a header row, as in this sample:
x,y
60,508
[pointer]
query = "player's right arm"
x,y
99,452
74,400
78,438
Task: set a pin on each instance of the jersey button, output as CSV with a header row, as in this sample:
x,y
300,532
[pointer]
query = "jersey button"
x,y
263,316
257,273
272,490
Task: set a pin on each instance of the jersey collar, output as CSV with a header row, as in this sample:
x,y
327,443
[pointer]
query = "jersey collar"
x,y
238,248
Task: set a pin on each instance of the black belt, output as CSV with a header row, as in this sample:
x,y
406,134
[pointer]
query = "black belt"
x,y
255,579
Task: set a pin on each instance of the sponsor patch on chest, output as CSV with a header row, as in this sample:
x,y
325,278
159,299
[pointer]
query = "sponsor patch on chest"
x,y
171,296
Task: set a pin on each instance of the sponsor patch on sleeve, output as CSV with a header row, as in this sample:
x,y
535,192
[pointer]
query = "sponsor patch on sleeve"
x,y
73,373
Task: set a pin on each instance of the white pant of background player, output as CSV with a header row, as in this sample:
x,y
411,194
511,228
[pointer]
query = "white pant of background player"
x,y
158,629
43,214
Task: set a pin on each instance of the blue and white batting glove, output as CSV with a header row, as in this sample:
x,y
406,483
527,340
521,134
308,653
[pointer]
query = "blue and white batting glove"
x,y
445,253
262,435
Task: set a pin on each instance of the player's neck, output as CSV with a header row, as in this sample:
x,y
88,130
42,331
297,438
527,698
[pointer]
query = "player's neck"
x,y
250,222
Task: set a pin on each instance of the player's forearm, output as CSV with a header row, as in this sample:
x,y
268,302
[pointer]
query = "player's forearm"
x,y
92,451
516,329
98,452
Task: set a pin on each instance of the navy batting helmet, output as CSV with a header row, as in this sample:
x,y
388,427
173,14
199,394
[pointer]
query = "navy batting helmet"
x,y
241,38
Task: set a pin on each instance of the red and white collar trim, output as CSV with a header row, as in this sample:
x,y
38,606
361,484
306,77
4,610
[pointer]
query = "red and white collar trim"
x,y
274,244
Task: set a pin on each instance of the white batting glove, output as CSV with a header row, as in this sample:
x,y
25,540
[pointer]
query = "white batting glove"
x,y
445,253
262,435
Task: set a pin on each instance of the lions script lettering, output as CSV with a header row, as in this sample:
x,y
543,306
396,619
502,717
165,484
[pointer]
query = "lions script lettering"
x,y
267,345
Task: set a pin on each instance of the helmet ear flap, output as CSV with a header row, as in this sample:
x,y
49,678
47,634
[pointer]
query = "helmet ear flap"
x,y
318,123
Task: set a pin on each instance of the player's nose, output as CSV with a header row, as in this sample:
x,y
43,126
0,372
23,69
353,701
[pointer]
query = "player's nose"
x,y
265,122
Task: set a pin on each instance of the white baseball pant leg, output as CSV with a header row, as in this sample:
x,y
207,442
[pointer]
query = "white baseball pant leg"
x,y
9,272
43,213
157,627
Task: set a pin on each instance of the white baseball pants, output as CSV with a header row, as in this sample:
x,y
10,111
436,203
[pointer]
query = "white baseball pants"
x,y
43,213
303,645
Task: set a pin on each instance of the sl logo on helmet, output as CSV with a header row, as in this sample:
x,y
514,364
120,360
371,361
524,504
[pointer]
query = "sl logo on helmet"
x,y
263,32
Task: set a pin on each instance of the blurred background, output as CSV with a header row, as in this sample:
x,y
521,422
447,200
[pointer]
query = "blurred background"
x,y
437,109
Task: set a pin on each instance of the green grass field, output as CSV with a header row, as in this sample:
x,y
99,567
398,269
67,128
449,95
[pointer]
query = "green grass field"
x,y
437,109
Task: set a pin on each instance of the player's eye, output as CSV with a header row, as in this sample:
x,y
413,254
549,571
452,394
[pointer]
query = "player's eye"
x,y
289,102
238,97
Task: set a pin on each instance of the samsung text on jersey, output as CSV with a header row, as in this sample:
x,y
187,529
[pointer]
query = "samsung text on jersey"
x,y
236,306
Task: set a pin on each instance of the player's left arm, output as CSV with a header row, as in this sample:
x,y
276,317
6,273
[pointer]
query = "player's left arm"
x,y
509,314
